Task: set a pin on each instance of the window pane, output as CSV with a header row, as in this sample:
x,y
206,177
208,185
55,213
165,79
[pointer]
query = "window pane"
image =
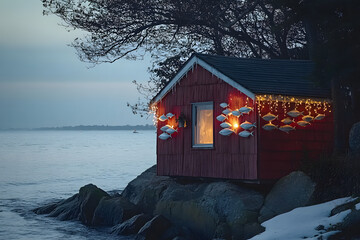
x,y
203,129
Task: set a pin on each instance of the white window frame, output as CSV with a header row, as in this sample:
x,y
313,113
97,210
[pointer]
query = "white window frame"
x,y
194,123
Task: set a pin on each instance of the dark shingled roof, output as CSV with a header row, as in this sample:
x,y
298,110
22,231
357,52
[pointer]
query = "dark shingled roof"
x,y
269,76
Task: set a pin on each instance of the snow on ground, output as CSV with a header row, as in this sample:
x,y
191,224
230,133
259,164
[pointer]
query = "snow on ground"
x,y
357,206
301,223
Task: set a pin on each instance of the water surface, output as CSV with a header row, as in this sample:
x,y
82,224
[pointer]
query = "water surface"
x,y
37,167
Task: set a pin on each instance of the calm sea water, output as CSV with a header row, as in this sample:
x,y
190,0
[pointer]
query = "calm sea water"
x,y
38,167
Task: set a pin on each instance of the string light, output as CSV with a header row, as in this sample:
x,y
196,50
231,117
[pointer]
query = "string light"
x,y
287,102
152,111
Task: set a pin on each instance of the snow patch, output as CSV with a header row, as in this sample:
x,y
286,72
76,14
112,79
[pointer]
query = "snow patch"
x,y
357,206
302,222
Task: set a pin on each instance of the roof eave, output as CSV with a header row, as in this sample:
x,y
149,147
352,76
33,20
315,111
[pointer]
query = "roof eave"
x,y
189,65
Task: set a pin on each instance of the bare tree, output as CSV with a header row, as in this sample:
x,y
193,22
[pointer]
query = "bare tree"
x,y
170,30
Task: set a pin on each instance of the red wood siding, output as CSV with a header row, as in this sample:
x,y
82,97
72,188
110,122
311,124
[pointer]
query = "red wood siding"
x,y
232,157
280,153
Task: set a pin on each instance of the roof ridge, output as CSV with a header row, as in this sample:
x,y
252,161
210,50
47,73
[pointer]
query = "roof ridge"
x,y
255,59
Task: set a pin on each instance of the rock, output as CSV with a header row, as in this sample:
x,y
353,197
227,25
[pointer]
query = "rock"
x,y
145,190
349,227
45,209
112,211
132,225
340,208
179,238
223,231
153,229
89,198
252,229
81,206
351,222
210,210
354,139
292,191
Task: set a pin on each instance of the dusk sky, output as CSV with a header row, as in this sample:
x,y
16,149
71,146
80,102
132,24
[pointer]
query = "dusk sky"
x,y
44,84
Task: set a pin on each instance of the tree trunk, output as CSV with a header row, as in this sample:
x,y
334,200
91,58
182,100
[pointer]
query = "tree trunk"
x,y
355,102
338,113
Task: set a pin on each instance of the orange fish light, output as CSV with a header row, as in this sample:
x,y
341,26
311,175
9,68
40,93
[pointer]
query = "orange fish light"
x,y
236,125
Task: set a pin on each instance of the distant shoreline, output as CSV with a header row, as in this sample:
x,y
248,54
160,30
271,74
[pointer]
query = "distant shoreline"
x,y
86,128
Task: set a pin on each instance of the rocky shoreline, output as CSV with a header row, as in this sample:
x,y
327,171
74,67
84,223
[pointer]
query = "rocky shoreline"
x,y
166,208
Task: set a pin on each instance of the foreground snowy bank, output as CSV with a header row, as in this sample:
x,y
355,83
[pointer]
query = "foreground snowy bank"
x,y
312,222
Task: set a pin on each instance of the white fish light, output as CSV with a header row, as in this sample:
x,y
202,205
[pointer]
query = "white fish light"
x,y
163,118
224,105
171,130
225,125
319,117
287,121
269,127
286,128
269,117
236,113
303,123
307,118
169,115
226,132
245,110
226,111
164,128
221,117
245,134
294,113
164,136
247,125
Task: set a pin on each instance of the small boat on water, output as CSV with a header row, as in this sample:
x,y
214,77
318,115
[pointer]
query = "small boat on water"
x,y
135,131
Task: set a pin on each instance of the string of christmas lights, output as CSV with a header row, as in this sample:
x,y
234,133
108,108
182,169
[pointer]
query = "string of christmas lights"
x,y
311,105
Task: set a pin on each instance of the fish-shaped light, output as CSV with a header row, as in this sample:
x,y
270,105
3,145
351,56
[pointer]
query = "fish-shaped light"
x,y
225,125
245,109
169,115
269,127
226,111
287,121
245,134
247,125
286,128
307,118
164,136
319,117
171,130
236,113
269,117
164,128
226,132
163,118
224,105
221,117
303,123
294,113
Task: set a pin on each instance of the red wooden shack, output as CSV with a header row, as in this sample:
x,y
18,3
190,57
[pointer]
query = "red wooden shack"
x,y
237,118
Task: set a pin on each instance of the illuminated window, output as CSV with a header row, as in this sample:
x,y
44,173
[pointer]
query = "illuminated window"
x,y
202,126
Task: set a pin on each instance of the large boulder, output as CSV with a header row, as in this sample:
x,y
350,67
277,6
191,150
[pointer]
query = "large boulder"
x,y
132,225
217,209
146,189
81,206
206,209
354,139
112,211
292,191
153,229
